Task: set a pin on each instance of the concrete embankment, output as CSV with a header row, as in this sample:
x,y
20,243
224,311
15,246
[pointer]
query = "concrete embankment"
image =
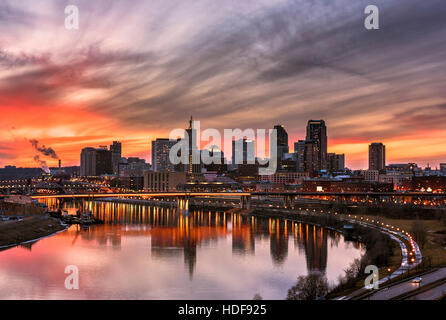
x,y
31,228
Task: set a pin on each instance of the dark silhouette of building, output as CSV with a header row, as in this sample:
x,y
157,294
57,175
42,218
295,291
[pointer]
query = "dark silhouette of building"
x,y
116,151
311,157
245,151
317,133
282,141
96,162
377,156
299,150
335,162
104,163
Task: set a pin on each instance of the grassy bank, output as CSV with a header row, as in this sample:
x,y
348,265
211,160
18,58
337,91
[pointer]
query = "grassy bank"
x,y
30,228
434,246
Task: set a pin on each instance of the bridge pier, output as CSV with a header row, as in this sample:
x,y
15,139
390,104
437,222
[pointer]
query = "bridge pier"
x,y
288,201
183,202
245,202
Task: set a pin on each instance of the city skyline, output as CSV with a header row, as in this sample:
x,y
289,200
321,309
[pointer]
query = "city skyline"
x,y
127,76
49,162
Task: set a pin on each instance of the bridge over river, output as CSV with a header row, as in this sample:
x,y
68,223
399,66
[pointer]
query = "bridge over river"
x,y
286,198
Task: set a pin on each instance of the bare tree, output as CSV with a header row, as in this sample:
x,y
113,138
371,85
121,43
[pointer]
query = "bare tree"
x,y
420,232
309,287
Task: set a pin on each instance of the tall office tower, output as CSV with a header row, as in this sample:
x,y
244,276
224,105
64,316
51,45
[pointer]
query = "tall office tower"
x,y
96,162
311,154
116,150
377,156
443,168
245,149
104,164
160,155
282,141
299,150
88,162
194,165
335,162
317,132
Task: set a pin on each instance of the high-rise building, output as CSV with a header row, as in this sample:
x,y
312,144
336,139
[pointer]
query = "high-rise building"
x,y
377,156
317,133
116,150
96,162
311,153
160,155
194,165
282,141
88,162
104,163
335,162
245,149
299,150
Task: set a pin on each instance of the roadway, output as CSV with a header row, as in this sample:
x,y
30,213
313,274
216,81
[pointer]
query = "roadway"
x,y
320,194
432,294
145,194
407,286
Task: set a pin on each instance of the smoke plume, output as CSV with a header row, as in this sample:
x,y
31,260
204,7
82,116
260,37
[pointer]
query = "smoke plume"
x,y
42,164
43,149
47,151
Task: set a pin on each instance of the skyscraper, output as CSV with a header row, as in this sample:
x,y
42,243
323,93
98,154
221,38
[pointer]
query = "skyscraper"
x,y
317,132
194,165
160,155
116,150
335,162
311,154
282,141
88,162
377,156
104,164
245,149
96,162
299,150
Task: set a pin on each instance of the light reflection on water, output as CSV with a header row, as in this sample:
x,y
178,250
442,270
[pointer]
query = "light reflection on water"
x,y
144,252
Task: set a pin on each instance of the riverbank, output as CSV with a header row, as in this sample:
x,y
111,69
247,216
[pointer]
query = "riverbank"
x,y
433,247
387,250
15,232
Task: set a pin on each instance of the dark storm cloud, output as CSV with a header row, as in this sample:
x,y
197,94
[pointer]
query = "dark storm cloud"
x,y
44,81
287,62
284,48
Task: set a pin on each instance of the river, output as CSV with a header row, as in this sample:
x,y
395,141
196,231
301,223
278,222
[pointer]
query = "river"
x,y
147,252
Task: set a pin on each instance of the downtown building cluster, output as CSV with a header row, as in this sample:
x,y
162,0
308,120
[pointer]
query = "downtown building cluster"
x,y
308,168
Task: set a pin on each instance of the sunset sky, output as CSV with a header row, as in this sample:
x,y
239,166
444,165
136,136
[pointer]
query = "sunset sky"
x,y
137,69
